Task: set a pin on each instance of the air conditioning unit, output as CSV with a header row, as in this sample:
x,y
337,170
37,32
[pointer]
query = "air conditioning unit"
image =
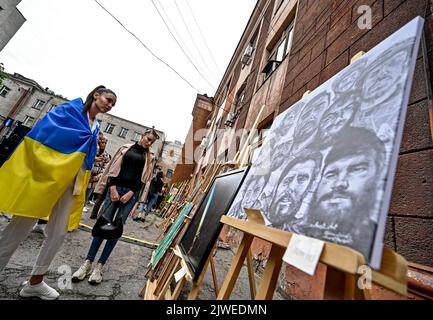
x,y
231,118
203,142
249,50
246,58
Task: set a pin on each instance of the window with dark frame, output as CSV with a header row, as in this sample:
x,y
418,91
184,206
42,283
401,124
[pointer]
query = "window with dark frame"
x,y
38,104
110,127
278,52
29,121
123,132
4,91
278,5
136,136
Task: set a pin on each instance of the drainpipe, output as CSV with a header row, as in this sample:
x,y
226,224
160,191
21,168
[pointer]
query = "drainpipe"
x,y
21,101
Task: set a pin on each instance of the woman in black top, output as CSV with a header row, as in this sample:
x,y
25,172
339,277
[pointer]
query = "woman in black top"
x,y
124,187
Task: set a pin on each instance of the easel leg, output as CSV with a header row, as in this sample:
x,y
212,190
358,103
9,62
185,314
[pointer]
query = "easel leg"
x,y
270,274
178,289
214,276
340,285
233,273
196,284
251,277
335,284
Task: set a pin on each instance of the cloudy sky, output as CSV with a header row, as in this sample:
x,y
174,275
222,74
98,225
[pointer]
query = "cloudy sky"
x,y
73,46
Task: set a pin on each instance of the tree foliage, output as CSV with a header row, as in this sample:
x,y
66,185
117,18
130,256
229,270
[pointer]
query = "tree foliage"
x,y
2,73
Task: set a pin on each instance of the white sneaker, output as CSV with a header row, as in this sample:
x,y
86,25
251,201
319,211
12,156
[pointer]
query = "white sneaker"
x,y
82,272
40,228
96,276
40,290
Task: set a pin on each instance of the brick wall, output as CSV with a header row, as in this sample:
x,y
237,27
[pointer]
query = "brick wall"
x,y
326,37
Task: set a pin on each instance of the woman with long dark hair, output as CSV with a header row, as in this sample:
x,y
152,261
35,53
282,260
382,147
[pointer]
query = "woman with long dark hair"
x,y
46,178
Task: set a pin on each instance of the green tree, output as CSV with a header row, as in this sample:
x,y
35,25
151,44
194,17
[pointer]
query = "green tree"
x,y
2,73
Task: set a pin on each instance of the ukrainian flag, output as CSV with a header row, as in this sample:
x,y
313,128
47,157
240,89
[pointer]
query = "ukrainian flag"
x,y
57,152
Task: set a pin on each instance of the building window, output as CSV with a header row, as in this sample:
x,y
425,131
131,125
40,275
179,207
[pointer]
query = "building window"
x,y
279,52
38,104
52,107
169,174
110,127
29,121
278,5
123,133
4,91
136,136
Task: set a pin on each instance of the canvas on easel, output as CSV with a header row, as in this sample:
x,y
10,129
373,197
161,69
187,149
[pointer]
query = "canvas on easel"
x,y
327,165
204,228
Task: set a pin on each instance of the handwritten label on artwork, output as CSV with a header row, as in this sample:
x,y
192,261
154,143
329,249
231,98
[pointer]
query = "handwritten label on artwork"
x,y
304,253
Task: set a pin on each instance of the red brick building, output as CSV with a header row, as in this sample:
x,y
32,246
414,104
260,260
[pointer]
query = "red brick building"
x,y
289,47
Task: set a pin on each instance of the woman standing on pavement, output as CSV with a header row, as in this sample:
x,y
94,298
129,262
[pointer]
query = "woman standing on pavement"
x,y
126,174
101,161
46,177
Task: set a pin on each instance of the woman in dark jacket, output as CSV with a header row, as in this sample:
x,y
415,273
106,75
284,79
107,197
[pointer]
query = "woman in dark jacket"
x,y
125,176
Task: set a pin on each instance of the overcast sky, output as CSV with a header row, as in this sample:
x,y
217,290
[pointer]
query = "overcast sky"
x,y
71,46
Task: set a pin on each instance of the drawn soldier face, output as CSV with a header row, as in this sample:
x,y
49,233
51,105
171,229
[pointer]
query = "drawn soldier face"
x,y
252,192
289,119
347,81
347,184
309,118
279,154
291,191
337,117
384,75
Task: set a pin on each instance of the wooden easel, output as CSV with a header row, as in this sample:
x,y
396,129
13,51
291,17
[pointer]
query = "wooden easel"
x,y
343,265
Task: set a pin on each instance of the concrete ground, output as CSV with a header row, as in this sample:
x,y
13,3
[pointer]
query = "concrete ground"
x,y
123,275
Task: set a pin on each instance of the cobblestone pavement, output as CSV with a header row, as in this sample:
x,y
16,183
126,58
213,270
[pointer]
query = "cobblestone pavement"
x,y
123,275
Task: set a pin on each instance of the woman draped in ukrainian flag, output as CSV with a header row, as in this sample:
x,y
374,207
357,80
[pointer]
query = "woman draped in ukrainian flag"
x,y
46,178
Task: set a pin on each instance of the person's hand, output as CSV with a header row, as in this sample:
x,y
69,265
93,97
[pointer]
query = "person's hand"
x,y
127,196
114,195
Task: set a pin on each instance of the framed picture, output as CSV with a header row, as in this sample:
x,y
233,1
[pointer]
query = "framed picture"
x,y
326,168
205,226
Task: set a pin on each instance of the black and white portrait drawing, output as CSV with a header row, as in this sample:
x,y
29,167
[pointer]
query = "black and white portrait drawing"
x,y
327,165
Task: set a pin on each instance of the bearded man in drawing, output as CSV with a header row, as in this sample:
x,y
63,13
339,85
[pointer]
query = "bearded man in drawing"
x,y
249,196
345,205
308,121
293,185
336,118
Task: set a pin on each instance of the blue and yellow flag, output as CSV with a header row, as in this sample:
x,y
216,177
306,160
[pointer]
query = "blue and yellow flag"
x,y
58,151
